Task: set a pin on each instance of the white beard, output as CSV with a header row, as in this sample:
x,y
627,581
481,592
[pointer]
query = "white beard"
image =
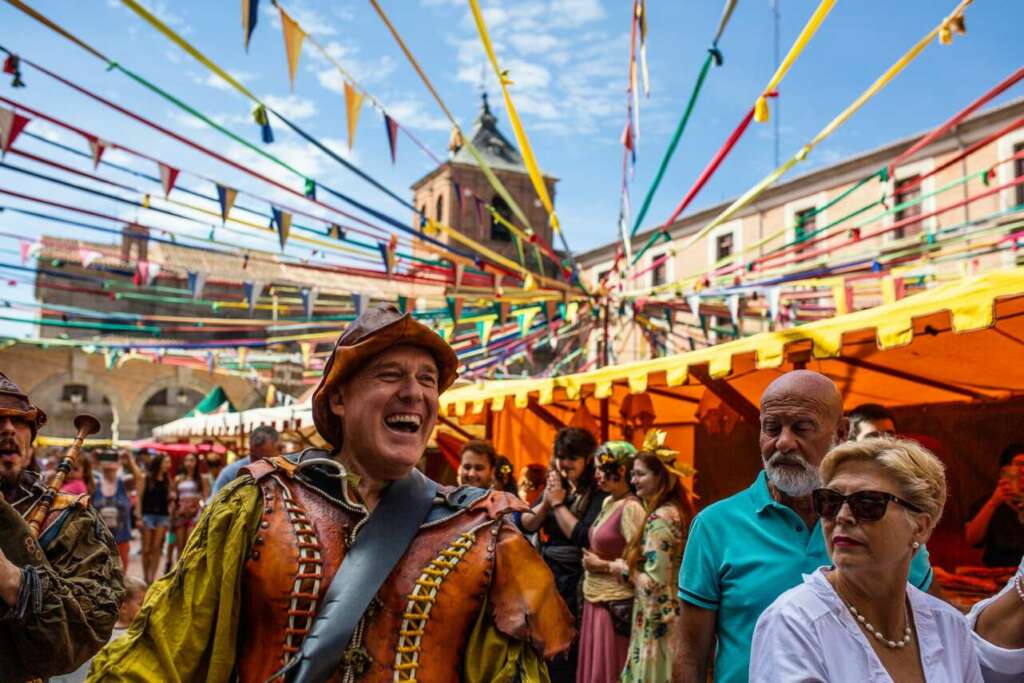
x,y
794,483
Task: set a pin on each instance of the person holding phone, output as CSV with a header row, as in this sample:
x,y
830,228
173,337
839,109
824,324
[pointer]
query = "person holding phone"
x,y
997,521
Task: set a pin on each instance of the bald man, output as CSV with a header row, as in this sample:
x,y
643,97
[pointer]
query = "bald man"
x,y
746,550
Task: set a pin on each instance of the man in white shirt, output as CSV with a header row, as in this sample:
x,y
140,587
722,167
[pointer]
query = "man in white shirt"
x,y
998,628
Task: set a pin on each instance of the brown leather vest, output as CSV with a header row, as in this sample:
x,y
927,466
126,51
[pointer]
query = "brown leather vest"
x,y
417,625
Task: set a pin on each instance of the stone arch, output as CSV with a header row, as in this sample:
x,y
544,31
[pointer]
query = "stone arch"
x,y
103,401
142,423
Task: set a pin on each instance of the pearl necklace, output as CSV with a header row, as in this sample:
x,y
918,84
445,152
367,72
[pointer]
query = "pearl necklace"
x,y
895,644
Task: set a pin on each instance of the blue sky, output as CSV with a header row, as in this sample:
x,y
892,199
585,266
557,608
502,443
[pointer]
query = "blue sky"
x,y
568,59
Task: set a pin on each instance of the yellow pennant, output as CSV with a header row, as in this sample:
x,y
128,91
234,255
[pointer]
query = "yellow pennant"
x,y
307,352
271,395
293,37
243,352
353,102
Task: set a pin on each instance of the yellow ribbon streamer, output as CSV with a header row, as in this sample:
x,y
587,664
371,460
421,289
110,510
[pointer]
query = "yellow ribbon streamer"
x,y
536,178
843,117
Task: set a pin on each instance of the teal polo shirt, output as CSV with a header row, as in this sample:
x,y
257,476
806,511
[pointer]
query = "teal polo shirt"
x,y
744,552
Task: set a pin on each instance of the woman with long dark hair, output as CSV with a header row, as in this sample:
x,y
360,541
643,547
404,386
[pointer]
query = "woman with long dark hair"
x,y
569,506
190,490
156,513
652,561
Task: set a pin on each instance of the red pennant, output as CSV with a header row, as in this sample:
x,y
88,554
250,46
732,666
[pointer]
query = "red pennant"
x,y
168,176
11,124
97,147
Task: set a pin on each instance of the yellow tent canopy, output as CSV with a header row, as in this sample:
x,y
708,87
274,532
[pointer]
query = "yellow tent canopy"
x,y
959,342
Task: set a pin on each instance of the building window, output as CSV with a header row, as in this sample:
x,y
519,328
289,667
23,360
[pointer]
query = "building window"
x,y
499,232
658,273
440,209
75,394
907,189
723,246
1018,171
806,224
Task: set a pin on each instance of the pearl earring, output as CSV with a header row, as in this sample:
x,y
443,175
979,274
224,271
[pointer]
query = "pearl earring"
x,y
916,545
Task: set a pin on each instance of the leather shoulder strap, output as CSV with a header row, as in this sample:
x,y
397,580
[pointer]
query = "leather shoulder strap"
x,y
368,563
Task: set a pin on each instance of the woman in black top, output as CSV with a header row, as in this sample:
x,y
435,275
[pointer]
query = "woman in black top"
x,y
569,506
155,488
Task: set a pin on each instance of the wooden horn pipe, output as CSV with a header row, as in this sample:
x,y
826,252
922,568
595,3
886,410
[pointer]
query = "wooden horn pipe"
x,y
86,425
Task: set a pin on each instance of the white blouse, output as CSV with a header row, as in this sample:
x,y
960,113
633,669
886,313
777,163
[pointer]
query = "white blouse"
x,y
809,636
998,665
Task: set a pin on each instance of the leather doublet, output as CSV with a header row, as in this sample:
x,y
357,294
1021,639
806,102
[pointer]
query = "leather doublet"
x,y
417,626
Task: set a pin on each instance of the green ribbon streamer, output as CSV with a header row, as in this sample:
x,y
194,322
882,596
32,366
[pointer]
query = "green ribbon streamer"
x,y
680,127
86,326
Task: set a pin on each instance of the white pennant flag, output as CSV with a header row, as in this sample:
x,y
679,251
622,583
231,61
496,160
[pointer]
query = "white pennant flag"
x,y
693,300
733,302
88,256
154,271
774,296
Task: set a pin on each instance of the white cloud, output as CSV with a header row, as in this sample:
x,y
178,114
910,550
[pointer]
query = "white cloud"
x,y
534,43
161,10
364,71
412,113
311,21
212,80
291,107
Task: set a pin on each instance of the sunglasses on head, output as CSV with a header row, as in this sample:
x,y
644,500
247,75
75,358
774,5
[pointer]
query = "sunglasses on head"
x,y
866,506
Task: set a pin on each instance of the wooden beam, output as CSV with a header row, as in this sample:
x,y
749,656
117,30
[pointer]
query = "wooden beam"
x,y
544,414
454,427
669,394
911,377
747,411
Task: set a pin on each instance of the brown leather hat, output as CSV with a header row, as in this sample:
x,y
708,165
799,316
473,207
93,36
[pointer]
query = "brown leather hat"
x,y
14,403
379,328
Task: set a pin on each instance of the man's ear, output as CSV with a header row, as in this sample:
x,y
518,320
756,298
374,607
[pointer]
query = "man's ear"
x,y
843,429
337,404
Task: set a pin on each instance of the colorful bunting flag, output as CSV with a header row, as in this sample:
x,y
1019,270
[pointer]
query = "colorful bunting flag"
x,y
168,176
336,232
391,127
504,308
526,321
141,273
571,311
211,362
96,147
359,303
271,396
550,308
250,15
12,66
252,290
309,295
196,282
310,189
281,221
774,297
88,256
11,124
293,37
403,304
353,103
226,196
733,304
460,270
483,330
498,290
243,353
259,115
152,272
455,308
307,352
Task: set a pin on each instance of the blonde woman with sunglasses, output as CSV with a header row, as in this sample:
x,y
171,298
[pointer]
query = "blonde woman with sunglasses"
x,y
860,620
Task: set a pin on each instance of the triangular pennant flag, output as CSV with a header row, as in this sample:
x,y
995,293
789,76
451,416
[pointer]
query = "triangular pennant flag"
x,y
154,271
444,331
307,351
309,295
670,317
526,321
196,282
271,396
455,308
211,362
693,301
550,308
97,146
403,304
839,296
359,303
23,249
391,126
310,189
252,290
88,256
387,257
336,232
483,329
243,353
733,304
498,290
353,103
281,221
11,124
250,15
571,311
460,270
142,273
226,196
293,37
110,358
774,297
504,308
168,176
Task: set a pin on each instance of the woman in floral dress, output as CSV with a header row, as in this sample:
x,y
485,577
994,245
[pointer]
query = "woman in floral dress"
x,y
652,562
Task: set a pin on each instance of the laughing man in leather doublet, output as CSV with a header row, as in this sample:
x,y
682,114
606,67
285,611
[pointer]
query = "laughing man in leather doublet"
x,y
350,565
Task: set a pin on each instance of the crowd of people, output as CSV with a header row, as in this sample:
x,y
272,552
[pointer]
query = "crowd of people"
x,y
594,567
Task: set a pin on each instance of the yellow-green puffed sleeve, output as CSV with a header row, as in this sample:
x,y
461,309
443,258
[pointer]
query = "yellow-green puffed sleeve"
x,y
493,657
188,626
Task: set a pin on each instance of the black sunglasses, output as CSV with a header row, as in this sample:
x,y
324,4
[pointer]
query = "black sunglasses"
x,y
866,506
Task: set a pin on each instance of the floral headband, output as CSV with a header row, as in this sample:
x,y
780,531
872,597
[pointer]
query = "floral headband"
x,y
615,453
654,443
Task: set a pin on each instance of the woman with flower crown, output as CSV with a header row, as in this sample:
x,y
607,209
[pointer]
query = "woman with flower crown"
x,y
652,559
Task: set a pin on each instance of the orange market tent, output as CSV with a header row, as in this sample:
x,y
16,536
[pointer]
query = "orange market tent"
x,y
954,344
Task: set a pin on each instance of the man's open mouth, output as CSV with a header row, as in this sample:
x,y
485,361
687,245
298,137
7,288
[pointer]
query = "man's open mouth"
x,y
407,423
